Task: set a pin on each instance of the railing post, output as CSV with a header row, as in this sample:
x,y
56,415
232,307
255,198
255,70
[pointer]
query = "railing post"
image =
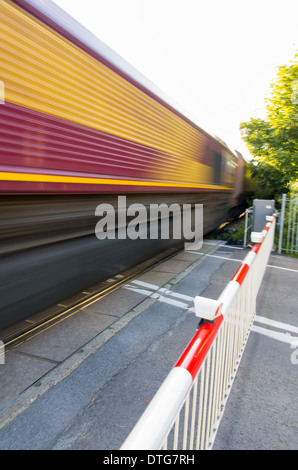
x,y
248,224
245,229
294,241
282,220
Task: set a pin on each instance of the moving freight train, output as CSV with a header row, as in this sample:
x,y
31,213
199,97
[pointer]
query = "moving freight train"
x,y
79,127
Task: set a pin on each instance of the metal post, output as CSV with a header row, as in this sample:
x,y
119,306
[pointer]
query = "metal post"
x,y
245,229
296,251
282,219
293,241
289,225
248,224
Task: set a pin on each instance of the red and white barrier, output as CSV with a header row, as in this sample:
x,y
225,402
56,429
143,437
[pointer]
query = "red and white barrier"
x,y
200,382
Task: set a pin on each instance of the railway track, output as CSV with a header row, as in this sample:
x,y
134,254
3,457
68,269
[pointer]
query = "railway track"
x,y
20,333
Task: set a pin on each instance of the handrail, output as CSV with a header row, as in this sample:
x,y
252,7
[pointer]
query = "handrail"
x,y
158,419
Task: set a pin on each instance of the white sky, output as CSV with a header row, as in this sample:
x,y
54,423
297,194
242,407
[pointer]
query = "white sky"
x,y
215,58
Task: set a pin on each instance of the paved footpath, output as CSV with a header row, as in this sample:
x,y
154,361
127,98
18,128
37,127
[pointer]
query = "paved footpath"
x,y
95,402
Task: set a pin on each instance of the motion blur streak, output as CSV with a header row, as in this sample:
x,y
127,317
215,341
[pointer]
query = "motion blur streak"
x,y
78,127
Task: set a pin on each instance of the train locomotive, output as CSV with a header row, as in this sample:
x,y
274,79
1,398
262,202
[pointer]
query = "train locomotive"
x,y
80,126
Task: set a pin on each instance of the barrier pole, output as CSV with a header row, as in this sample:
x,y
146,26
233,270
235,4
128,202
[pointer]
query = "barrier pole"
x,y
204,374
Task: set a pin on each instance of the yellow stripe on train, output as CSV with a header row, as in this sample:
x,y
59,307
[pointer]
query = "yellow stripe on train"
x,y
42,178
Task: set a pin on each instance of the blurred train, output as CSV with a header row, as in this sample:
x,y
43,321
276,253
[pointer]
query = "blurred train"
x,y
79,126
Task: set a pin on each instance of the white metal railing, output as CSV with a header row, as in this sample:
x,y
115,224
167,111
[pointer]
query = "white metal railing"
x,y
186,411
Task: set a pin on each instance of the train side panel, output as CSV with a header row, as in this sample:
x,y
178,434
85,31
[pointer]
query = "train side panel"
x,y
71,123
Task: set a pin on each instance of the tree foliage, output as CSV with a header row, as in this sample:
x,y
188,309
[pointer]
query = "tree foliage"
x,y
273,142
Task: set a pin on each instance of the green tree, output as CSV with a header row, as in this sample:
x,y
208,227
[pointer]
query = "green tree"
x,y
273,142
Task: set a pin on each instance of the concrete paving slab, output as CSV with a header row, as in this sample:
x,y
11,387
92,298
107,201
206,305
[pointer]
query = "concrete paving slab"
x,y
186,256
156,278
172,266
18,373
117,303
81,327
